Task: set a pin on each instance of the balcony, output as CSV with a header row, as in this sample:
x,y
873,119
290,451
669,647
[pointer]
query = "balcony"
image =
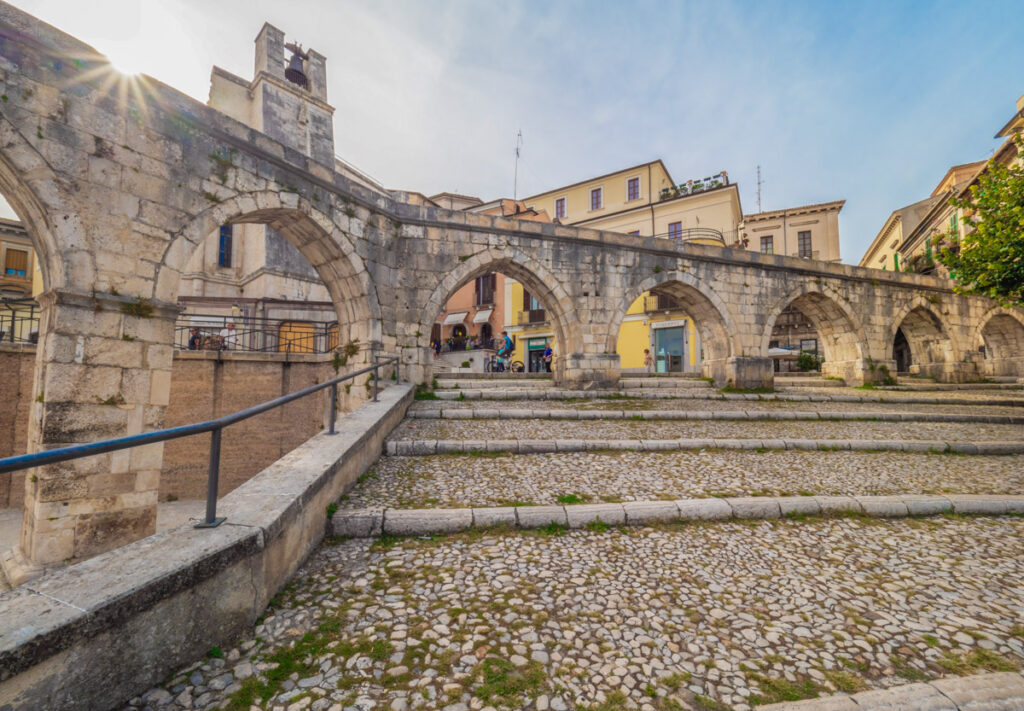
x,y
660,302
693,187
532,316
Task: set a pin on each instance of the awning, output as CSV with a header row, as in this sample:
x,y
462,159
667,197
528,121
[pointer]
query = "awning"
x,y
482,316
452,319
783,353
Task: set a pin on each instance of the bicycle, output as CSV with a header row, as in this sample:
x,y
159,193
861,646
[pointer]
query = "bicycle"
x,y
499,364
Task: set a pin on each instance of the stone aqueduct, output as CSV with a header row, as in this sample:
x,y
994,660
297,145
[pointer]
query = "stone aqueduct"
x,y
119,182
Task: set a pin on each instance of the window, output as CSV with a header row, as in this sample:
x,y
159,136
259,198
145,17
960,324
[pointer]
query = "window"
x,y
485,287
675,230
633,189
530,302
596,199
768,245
224,250
803,244
810,345
16,262
560,208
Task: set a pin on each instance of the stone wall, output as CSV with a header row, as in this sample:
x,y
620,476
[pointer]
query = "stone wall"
x,y
17,366
203,386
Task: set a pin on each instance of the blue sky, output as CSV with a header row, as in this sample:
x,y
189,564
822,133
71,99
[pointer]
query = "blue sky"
x,y
870,102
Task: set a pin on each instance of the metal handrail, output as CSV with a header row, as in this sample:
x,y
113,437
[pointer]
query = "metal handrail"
x,y
77,451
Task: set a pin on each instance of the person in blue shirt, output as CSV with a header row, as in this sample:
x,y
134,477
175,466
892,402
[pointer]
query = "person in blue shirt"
x,y
549,354
506,345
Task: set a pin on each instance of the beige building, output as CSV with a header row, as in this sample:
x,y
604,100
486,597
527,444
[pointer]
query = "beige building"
x,y
905,241
808,231
21,280
644,200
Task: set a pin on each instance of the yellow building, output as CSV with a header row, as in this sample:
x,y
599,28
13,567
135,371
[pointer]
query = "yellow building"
x,y
21,281
645,201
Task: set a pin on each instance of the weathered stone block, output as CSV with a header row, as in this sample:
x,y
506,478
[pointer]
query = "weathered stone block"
x,y
359,523
754,507
882,506
641,512
496,516
580,515
798,505
926,505
538,516
421,522
703,509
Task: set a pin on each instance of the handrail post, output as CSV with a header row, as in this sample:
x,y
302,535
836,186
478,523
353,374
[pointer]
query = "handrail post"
x,y
211,520
334,407
376,376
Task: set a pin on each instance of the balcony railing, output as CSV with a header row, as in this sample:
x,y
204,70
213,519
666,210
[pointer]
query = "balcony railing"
x,y
694,233
692,187
531,316
267,335
19,321
660,302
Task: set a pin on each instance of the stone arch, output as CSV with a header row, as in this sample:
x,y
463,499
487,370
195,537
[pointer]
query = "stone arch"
x,y
532,274
328,249
1001,332
932,345
24,176
839,328
709,312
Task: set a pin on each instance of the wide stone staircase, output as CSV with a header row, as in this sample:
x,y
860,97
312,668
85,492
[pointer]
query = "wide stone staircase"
x,y
658,546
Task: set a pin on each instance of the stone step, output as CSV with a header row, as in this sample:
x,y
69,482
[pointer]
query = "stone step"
x,y
1000,691
926,386
694,394
370,523
422,447
793,382
499,413
664,383
480,383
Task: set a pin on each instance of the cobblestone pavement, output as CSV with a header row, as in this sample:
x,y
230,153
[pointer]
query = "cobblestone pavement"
x,y
717,406
693,616
695,429
455,481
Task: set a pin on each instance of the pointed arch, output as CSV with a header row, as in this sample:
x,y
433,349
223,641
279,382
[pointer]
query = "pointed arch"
x,y
931,341
709,312
532,274
839,328
327,248
1001,332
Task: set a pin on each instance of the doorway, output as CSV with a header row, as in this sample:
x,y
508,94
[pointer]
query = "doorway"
x,y
670,349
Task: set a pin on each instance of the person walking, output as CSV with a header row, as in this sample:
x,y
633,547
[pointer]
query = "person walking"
x,y
648,360
549,355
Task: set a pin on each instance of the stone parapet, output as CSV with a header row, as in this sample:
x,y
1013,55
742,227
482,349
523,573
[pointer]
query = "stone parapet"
x,y
144,610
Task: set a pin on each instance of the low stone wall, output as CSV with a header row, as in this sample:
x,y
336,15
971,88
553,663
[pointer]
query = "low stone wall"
x,y
94,634
204,385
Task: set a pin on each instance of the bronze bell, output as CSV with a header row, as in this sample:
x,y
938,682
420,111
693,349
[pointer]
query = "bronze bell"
x,y
295,73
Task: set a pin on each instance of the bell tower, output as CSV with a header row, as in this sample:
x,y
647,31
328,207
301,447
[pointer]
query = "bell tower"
x,y
286,99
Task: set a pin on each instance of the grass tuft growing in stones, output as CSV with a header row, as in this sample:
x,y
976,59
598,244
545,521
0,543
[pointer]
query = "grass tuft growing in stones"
x,y
499,680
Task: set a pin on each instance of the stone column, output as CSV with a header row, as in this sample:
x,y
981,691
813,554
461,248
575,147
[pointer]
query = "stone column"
x,y
589,371
745,372
103,370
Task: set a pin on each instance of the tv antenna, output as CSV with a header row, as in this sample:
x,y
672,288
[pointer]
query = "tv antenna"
x,y
515,180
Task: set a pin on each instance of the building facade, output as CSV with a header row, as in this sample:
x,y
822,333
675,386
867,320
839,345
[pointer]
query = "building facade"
x,y
21,280
905,241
